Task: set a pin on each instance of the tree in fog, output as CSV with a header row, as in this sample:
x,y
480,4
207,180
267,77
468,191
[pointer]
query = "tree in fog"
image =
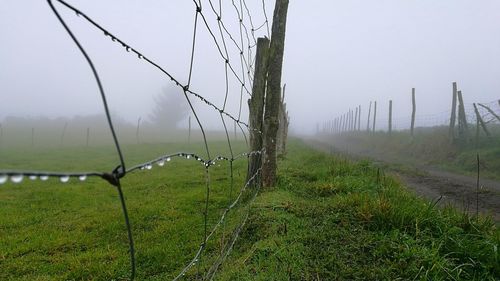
x,y
170,108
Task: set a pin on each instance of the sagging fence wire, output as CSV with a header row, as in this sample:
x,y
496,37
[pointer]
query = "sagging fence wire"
x,y
114,177
489,112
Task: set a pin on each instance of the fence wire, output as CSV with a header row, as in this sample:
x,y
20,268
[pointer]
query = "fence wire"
x,y
245,43
348,122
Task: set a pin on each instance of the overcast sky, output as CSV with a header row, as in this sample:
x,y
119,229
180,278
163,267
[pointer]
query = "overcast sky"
x,y
338,54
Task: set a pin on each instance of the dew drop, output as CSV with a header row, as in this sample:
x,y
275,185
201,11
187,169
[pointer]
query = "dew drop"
x,y
168,159
32,177
82,177
149,166
64,179
3,178
44,177
188,156
161,163
16,178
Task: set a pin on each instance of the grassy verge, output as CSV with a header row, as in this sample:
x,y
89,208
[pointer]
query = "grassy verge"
x,y
332,219
430,146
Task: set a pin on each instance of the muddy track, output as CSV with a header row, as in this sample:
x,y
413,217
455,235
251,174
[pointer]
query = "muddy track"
x,y
436,185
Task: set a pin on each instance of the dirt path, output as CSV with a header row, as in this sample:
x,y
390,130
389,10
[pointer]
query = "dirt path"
x,y
433,184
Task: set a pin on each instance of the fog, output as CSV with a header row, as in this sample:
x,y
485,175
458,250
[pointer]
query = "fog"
x,y
338,54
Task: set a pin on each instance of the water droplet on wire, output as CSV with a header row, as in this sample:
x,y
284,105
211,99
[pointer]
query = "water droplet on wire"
x,y
149,166
3,178
32,177
16,178
168,159
44,177
161,163
64,179
82,177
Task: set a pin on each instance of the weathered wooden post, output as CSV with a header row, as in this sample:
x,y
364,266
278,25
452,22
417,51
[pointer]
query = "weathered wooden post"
x,y
355,120
63,134
374,115
349,118
235,132
413,112
490,111
256,110
462,118
88,136
276,51
480,122
273,91
139,125
453,113
359,118
390,117
352,120
369,113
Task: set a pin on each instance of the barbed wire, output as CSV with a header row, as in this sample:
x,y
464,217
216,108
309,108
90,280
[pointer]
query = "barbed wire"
x,y
247,62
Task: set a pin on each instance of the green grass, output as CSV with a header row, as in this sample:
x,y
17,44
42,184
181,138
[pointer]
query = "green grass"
x,y
327,219
55,231
430,146
331,219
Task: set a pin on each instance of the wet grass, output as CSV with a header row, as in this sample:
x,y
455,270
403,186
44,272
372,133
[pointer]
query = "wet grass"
x,y
75,231
430,146
327,219
333,219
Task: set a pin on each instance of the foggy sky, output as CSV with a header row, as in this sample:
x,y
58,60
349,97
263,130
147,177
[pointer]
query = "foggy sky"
x,y
338,54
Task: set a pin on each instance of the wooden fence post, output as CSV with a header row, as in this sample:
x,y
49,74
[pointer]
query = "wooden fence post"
x,y
453,113
390,117
273,91
63,134
359,118
480,121
355,120
462,118
413,112
139,125
88,136
490,111
256,111
369,113
374,115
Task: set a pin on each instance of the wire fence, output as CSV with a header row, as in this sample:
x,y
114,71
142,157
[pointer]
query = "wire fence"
x,y
348,122
242,71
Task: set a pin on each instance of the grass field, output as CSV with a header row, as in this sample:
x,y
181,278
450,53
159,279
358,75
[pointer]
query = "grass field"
x,y
75,231
327,219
